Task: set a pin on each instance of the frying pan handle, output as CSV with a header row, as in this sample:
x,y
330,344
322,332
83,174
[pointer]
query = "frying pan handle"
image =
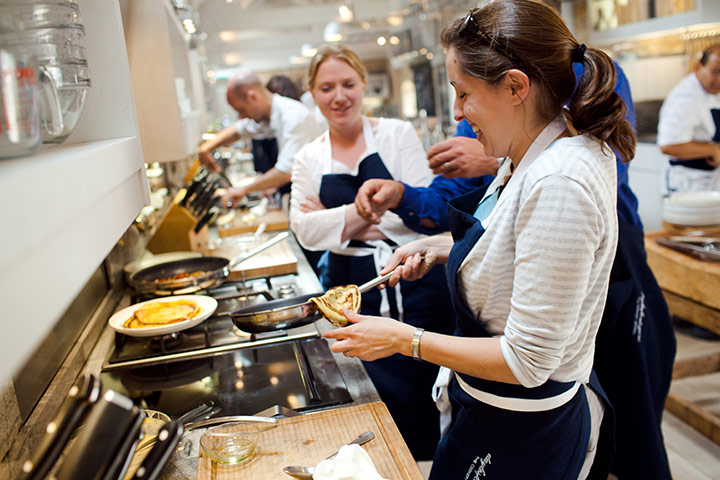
x,y
375,282
277,238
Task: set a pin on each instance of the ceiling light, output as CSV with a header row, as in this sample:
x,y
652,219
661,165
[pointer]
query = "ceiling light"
x,y
394,40
232,59
189,25
345,11
395,20
228,36
332,32
298,60
308,50
365,25
381,41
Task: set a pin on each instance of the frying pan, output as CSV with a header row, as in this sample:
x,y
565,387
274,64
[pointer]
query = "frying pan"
x,y
180,277
287,312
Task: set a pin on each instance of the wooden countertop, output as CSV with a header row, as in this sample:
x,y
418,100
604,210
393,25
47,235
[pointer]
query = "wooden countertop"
x,y
309,438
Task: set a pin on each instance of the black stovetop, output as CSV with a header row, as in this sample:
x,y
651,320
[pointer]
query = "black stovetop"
x,y
248,374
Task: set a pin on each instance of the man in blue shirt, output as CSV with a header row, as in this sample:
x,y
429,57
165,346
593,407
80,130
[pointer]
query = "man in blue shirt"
x,y
462,166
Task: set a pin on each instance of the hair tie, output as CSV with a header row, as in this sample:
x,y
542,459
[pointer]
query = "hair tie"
x,y
579,53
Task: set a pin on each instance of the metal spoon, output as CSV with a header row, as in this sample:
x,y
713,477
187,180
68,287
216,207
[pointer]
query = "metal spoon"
x,y
307,472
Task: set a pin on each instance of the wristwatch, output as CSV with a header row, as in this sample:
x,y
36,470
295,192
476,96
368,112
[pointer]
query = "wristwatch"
x,y
415,343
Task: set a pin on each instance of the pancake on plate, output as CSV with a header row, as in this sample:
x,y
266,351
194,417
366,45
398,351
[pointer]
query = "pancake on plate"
x,y
156,314
333,301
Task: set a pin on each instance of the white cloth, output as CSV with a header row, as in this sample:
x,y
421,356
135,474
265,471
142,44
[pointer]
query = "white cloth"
x,y
399,148
685,117
352,462
291,123
538,277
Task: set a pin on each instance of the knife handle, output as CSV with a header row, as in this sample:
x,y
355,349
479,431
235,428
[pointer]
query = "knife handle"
x,y
81,396
167,440
112,425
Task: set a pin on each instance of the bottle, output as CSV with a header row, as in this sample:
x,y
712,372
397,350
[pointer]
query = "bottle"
x,y
437,134
424,130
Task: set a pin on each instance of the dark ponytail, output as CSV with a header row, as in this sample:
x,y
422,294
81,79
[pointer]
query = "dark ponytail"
x,y
597,109
532,37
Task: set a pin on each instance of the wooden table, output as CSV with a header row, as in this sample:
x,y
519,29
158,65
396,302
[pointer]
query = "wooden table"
x,y
309,438
692,290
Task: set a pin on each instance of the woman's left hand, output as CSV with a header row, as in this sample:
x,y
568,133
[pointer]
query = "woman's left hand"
x,y
369,338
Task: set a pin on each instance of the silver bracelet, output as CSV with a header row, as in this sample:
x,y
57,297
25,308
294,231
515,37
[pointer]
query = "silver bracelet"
x,y
415,343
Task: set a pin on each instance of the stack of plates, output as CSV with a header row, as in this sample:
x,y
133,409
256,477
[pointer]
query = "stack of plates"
x,y
692,208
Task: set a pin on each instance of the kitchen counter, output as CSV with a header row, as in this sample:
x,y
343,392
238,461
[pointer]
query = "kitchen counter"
x,y
184,463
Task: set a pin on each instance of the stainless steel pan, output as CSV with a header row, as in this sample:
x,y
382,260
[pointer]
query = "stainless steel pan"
x,y
180,277
287,312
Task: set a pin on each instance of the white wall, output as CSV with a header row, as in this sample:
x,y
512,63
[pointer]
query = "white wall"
x,y
652,78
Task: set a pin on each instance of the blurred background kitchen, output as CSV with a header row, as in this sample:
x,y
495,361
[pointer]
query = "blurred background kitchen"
x,y
141,83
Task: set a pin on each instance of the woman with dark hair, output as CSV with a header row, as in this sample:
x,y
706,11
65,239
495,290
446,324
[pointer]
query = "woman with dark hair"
x,y
282,85
530,255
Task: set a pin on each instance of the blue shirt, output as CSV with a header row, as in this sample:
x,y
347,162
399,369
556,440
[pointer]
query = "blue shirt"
x,y
430,203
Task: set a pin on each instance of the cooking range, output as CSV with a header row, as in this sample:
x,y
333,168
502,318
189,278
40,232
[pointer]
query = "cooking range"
x,y
242,373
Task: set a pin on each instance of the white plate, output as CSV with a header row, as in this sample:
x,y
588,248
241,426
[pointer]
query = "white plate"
x,y
208,304
695,199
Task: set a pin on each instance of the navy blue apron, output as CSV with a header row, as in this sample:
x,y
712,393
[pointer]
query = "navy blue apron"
x,y
634,356
492,442
701,163
404,384
265,153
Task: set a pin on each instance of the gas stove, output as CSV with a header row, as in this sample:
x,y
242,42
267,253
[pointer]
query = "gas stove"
x,y
241,373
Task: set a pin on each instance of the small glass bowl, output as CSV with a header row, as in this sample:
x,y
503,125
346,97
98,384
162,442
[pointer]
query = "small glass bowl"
x,y
234,443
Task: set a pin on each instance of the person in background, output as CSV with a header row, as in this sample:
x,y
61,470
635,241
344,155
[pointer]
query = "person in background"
x,y
523,400
282,85
262,115
325,177
635,346
689,128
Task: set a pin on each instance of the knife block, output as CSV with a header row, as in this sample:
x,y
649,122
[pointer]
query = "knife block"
x,y
175,232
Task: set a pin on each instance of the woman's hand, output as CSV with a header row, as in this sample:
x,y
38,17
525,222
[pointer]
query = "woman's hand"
x,y
311,204
371,232
369,338
417,258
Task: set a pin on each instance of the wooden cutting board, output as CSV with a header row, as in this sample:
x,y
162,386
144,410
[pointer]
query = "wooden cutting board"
x,y
309,438
244,222
276,260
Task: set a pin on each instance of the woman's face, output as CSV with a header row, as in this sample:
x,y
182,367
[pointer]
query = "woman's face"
x,y
338,92
485,107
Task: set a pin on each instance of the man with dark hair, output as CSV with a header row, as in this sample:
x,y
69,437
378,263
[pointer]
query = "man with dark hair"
x,y
263,115
689,128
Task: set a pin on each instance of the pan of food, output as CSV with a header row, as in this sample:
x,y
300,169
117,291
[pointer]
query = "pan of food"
x,y
302,310
190,275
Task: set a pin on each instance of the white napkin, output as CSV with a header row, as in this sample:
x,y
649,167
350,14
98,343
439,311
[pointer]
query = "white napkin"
x,y
351,463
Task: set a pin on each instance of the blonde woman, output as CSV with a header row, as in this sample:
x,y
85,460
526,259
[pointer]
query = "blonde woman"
x,y
325,178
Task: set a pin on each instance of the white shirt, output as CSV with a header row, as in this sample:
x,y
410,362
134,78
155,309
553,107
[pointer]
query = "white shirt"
x,y
685,114
538,277
402,153
291,123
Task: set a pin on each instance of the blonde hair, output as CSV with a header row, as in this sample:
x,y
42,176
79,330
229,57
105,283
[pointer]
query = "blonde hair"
x,y
340,52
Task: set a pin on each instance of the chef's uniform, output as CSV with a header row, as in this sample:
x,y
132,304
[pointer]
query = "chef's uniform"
x,y
291,126
689,113
403,384
506,431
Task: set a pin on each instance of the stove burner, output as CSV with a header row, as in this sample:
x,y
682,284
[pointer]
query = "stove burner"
x,y
286,291
166,343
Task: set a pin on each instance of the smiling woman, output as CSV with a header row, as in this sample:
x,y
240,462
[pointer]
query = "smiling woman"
x,y
326,176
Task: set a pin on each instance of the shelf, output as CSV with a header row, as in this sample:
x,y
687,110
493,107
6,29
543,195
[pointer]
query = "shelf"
x,y
65,207
705,12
